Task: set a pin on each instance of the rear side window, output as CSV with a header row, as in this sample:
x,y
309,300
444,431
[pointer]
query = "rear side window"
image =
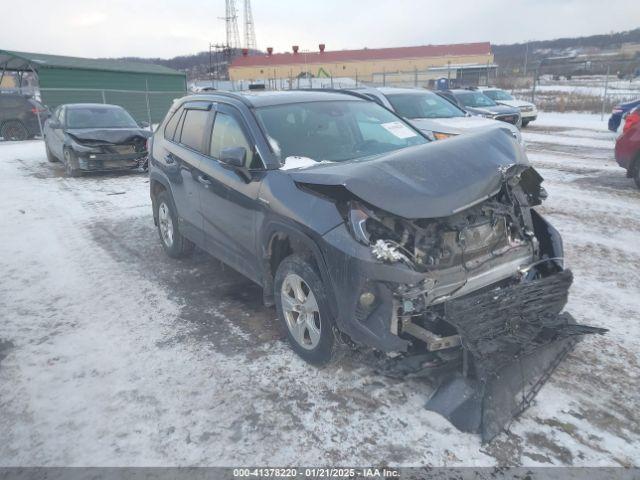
x,y
170,129
193,128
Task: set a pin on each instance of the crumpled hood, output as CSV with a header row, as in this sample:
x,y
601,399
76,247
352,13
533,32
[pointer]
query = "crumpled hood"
x,y
427,181
108,135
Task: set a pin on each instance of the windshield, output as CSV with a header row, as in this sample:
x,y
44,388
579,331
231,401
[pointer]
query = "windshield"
x,y
498,95
423,105
335,131
99,117
475,99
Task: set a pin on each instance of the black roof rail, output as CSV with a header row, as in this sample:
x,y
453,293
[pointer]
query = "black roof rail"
x,y
228,94
335,90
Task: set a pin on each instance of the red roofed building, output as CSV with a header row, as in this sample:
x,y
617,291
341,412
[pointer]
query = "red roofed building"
x,y
366,64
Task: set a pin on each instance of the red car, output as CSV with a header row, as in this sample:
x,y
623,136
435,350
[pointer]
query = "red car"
x,y
628,146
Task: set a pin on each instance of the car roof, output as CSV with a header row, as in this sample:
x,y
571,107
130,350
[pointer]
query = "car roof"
x,y
280,97
411,91
90,105
461,90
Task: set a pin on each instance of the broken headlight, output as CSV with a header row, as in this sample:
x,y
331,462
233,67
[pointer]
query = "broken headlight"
x,y
357,223
365,226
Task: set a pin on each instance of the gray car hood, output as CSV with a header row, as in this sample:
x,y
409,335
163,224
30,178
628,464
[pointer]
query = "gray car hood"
x,y
427,181
108,135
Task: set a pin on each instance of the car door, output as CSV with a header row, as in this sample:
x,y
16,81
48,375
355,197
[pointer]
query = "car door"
x,y
181,155
228,195
55,133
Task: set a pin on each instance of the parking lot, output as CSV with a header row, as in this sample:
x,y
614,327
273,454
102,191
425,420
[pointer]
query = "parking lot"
x,y
111,353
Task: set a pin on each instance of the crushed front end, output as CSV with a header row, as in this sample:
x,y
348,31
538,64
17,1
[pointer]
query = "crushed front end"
x,y
105,154
474,299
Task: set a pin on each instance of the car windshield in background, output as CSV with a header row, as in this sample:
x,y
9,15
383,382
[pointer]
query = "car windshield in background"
x,y
335,131
99,117
498,95
475,99
414,105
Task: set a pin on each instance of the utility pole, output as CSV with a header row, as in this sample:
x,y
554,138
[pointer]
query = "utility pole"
x,y
210,64
606,86
526,58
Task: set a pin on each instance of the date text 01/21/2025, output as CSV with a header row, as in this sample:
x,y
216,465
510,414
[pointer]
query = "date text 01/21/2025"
x,y
318,472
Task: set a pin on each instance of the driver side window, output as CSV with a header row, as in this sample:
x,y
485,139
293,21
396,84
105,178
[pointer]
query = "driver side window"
x,y
228,133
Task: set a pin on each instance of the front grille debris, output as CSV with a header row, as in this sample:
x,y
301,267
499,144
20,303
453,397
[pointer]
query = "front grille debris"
x,y
513,339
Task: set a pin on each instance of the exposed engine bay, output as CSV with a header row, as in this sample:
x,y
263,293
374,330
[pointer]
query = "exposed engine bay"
x,y
490,302
488,245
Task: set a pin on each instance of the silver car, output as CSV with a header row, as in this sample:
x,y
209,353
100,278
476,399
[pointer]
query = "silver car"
x,y
432,114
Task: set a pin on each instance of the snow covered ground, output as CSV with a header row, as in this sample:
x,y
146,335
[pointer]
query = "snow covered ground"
x,y
113,354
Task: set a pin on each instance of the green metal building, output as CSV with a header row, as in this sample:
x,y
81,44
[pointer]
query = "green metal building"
x,y
145,90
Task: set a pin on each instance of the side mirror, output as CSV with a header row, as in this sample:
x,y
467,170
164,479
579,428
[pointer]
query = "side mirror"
x,y
55,124
144,124
234,156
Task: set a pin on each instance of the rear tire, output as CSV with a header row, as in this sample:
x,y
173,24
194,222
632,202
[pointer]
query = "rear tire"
x,y
173,242
525,123
14,130
50,156
303,310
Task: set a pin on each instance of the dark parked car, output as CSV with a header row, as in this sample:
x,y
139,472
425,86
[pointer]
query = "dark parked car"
x,y
628,146
620,111
362,231
95,137
19,116
477,103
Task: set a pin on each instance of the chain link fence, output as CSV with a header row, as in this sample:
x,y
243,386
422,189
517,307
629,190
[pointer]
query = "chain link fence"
x,y
147,106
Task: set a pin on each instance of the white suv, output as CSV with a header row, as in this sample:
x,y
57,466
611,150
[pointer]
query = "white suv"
x,y
528,110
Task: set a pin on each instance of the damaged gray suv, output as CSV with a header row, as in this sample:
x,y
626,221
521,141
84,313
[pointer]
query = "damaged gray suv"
x,y
363,232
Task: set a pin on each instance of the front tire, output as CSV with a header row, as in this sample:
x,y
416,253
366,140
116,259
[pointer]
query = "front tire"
x,y
14,130
636,173
173,242
525,123
301,303
50,156
71,164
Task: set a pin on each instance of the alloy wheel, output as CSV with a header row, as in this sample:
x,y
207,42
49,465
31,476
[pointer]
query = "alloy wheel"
x,y
166,224
301,311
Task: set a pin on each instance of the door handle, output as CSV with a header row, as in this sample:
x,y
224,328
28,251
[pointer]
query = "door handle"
x,y
204,180
169,158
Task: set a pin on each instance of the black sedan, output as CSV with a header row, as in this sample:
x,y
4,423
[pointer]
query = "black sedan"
x,y
477,103
95,137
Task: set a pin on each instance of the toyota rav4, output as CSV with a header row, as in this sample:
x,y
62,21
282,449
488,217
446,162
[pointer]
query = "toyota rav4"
x,y
363,232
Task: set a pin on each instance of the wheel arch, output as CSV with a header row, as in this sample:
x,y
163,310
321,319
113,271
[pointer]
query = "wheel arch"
x,y
157,184
280,240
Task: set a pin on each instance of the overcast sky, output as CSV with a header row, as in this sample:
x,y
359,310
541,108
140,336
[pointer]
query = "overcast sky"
x,y
165,28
